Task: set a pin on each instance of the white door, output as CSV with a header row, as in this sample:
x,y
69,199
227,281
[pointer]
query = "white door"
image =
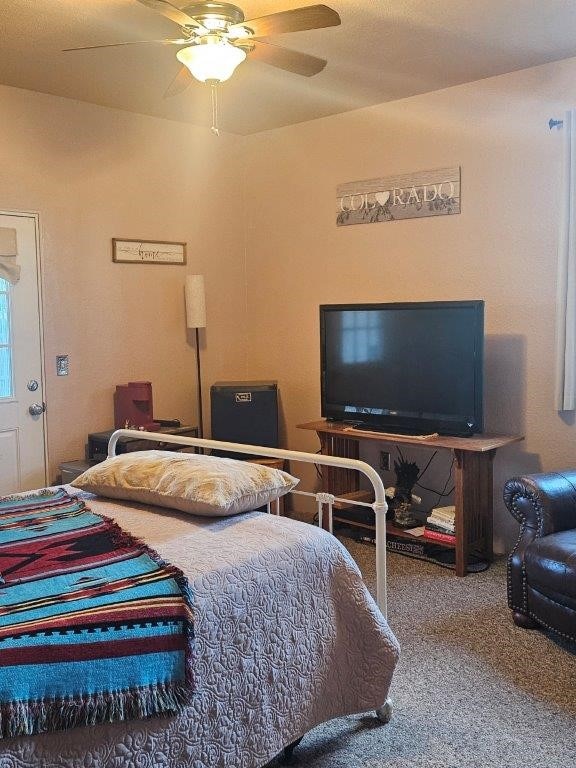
x,y
22,445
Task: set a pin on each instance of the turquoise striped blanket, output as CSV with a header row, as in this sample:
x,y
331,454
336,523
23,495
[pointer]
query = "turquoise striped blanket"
x,y
94,626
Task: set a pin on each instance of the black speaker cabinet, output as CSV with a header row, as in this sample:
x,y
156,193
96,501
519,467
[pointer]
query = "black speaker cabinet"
x,y
245,412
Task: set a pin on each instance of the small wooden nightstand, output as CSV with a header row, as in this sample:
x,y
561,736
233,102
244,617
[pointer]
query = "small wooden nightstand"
x,y
97,448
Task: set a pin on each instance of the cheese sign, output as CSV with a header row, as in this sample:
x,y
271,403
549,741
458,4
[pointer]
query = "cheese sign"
x,y
408,196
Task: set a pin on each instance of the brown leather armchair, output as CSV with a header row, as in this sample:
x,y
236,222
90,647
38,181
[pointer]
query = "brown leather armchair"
x,y
542,565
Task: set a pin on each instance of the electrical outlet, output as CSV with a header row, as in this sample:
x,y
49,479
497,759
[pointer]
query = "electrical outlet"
x,y
385,460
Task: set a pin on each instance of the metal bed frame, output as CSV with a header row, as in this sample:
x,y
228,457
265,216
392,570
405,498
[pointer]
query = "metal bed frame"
x,y
322,499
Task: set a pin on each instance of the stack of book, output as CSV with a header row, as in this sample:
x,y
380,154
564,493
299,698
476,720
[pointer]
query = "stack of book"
x,y
440,525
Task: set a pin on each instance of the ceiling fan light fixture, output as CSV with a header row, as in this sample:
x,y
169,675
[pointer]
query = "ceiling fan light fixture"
x,y
211,58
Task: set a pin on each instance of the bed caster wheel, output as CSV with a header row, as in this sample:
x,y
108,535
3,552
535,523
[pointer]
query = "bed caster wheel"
x,y
288,751
384,713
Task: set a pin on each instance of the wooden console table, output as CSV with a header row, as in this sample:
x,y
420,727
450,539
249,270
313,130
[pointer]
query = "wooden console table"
x,y
473,496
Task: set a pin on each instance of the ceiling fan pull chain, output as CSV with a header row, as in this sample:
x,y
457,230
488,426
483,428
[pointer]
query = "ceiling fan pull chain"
x,y
214,88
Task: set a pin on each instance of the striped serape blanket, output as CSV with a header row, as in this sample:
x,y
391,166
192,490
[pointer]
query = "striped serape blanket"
x,y
94,626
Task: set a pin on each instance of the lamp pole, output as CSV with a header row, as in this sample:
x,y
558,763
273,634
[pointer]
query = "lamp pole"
x,y
199,377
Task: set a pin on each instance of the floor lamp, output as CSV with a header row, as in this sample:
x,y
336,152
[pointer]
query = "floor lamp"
x,y
196,319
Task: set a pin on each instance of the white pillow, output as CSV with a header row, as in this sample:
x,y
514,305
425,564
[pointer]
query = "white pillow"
x,y
200,485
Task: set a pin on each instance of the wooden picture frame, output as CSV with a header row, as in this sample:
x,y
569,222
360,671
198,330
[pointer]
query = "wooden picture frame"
x,y
129,251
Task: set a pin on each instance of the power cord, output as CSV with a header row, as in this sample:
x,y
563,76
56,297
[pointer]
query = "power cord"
x,y
443,493
317,466
426,467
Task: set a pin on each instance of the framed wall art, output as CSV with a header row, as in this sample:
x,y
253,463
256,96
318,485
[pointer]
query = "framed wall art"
x,y
148,252
406,196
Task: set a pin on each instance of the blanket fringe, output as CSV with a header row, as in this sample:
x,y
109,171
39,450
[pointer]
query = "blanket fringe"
x,y
25,718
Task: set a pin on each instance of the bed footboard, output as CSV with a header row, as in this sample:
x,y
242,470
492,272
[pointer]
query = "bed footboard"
x,y
323,499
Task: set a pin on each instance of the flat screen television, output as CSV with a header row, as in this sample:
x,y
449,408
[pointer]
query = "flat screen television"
x,y
413,368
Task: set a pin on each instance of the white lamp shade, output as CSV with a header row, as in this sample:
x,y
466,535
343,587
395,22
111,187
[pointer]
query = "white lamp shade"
x,y
195,301
213,59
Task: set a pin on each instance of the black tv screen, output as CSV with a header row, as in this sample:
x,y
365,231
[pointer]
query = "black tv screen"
x,y
409,367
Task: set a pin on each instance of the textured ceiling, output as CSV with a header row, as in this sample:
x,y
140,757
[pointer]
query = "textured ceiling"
x,y
383,51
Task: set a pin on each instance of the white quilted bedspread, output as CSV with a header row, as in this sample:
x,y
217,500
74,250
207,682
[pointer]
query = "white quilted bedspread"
x,y
287,637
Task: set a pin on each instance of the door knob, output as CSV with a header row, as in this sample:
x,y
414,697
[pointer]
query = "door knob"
x,y
36,409
32,385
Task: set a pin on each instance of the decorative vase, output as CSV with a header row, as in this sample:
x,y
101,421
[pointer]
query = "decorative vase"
x,y
404,516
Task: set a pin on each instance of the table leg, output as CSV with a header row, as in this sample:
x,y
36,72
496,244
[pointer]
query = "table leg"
x,y
338,481
474,507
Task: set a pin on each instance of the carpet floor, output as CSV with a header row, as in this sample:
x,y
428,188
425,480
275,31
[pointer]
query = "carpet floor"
x,y
471,689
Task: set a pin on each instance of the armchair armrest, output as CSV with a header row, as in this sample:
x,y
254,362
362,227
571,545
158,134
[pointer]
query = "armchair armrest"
x,y
543,504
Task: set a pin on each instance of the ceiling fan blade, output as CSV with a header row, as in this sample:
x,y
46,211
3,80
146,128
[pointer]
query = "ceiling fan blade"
x,y
182,80
284,58
296,20
131,42
172,12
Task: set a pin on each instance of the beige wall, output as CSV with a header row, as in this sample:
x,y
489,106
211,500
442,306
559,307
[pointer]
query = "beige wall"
x,y
93,174
501,248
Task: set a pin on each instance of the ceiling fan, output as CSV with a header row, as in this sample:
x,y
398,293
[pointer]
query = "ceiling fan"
x,y
215,38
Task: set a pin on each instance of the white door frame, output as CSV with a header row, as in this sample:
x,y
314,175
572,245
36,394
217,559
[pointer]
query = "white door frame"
x,y
36,216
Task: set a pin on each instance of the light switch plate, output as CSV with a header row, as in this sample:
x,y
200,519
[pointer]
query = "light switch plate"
x,y
62,365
